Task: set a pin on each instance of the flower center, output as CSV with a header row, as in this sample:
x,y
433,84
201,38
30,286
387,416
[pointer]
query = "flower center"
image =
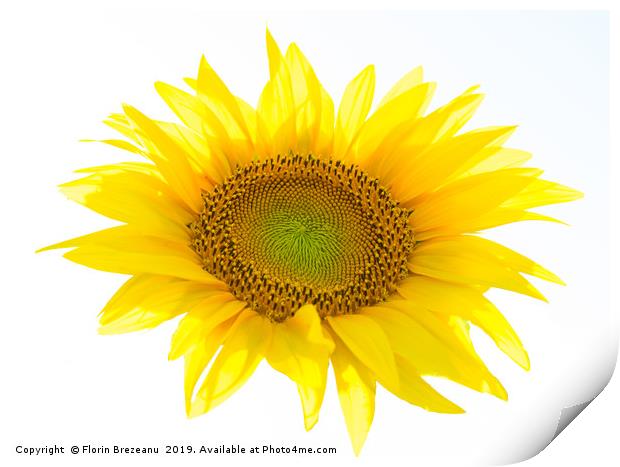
x,y
294,230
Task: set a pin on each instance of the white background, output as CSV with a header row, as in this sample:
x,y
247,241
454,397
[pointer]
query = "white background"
x,y
65,69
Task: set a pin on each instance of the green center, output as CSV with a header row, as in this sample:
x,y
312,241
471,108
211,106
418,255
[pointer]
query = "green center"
x,y
303,241
306,246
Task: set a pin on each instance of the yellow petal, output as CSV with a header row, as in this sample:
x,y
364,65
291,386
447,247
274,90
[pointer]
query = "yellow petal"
x,y
438,126
495,217
368,343
386,128
198,357
276,107
205,156
299,349
509,257
493,154
138,167
476,261
446,121
541,193
356,391
431,346
468,303
202,319
460,327
146,300
121,123
203,122
125,250
430,169
117,143
410,80
308,100
187,107
311,401
241,353
133,197
416,391
274,55
354,108
248,113
215,94
325,141
469,198
497,159
170,158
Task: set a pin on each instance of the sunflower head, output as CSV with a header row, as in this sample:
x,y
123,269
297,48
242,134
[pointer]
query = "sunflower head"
x,y
291,230
304,236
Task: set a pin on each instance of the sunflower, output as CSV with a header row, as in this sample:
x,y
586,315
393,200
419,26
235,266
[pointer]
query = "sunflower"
x,y
300,235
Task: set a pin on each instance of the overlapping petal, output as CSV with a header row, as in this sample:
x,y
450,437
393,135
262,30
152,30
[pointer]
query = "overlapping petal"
x,y
147,300
242,350
300,349
356,390
467,259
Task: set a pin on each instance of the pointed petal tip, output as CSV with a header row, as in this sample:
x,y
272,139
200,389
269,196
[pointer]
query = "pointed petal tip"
x,y
204,66
525,364
195,411
491,385
357,446
105,330
532,291
268,36
576,194
191,82
510,129
450,408
310,422
131,111
430,85
173,355
160,87
499,391
519,356
293,48
367,72
54,246
192,413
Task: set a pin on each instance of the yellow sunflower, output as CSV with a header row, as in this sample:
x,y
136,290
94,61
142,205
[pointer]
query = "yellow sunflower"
x,y
300,235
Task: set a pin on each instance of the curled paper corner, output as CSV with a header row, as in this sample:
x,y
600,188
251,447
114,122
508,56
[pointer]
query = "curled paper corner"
x,y
568,414
534,435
